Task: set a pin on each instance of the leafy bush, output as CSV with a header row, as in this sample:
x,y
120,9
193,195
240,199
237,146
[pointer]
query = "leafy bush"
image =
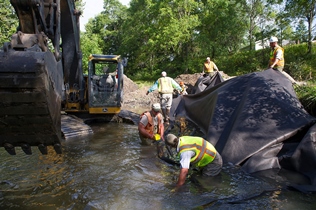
x,y
300,65
307,96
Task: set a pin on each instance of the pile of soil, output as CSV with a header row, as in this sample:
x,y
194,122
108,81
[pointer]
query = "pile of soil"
x,y
136,100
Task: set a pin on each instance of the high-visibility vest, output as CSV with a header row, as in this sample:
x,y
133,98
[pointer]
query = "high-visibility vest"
x,y
205,152
150,125
165,85
208,67
273,54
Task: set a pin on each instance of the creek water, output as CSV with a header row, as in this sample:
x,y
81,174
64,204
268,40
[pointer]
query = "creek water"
x,y
112,170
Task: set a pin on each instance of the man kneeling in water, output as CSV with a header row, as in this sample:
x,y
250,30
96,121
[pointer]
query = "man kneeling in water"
x,y
197,151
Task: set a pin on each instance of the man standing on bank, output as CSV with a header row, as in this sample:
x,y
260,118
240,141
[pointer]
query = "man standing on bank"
x,y
276,61
165,86
197,151
209,67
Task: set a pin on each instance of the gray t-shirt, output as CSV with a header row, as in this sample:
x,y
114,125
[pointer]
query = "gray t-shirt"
x,y
144,121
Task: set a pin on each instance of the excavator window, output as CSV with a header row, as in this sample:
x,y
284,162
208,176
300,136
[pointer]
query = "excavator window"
x,y
106,87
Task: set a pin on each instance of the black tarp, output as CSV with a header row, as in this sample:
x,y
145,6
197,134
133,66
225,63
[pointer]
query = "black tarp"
x,y
255,121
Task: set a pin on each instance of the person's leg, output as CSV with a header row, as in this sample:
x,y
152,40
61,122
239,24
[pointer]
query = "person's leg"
x,y
167,114
145,141
164,111
214,168
166,104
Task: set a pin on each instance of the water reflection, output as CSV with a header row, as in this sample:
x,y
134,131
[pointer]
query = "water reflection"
x,y
112,170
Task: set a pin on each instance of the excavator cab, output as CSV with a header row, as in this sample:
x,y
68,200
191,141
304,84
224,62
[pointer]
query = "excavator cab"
x,y
105,84
103,88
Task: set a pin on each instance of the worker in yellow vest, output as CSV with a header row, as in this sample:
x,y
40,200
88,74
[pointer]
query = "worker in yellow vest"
x,y
165,86
209,67
276,60
198,152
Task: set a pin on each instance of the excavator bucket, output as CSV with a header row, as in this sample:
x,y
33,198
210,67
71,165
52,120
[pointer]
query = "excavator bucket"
x,y
30,105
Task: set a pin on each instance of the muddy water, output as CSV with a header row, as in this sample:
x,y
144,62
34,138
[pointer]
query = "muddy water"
x,y
112,170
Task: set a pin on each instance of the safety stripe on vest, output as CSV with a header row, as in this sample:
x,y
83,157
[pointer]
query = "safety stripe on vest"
x,y
202,149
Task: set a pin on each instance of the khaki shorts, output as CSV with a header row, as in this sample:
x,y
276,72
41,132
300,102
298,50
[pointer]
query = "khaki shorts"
x,y
166,100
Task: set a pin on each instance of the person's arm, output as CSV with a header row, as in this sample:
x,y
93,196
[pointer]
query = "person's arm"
x,y
175,85
185,158
274,63
143,131
215,67
182,176
203,68
152,88
278,57
162,129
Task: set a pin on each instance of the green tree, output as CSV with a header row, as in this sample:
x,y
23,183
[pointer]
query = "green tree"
x,y
301,32
9,21
306,10
175,35
107,26
160,37
222,27
89,45
254,10
80,5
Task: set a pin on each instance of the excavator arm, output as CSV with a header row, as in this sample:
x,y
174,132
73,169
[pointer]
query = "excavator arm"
x,y
42,56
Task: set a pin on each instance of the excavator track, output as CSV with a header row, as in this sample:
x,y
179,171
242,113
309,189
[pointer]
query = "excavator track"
x,y
30,87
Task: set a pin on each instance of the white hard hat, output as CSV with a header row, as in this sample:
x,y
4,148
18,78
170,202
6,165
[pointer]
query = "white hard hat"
x,y
208,58
163,74
273,39
156,107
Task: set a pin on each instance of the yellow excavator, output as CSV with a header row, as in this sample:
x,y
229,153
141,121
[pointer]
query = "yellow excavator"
x,y
41,75
102,88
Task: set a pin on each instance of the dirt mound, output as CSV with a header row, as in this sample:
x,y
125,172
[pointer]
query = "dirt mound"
x,y
129,85
188,79
135,98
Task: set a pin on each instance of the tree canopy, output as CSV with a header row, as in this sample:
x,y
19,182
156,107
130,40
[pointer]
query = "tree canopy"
x,y
178,35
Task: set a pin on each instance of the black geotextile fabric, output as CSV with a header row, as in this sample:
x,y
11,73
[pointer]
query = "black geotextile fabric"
x,y
255,121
